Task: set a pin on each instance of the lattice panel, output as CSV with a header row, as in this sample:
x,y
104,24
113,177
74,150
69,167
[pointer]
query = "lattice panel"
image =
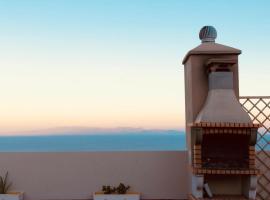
x,y
259,110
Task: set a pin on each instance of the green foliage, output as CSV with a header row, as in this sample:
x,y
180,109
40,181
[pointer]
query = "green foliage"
x,y
4,184
106,189
121,189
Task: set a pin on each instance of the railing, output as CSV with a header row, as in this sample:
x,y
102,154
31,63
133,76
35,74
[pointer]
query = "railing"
x,y
258,107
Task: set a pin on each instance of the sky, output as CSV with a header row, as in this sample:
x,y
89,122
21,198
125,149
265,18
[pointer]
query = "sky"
x,y
116,63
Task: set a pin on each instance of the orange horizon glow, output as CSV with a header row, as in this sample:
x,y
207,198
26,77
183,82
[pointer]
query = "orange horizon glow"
x,y
148,122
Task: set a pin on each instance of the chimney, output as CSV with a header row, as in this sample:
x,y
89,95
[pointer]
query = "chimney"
x,y
220,135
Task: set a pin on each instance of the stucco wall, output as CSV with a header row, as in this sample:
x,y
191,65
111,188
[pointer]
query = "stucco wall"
x,y
157,175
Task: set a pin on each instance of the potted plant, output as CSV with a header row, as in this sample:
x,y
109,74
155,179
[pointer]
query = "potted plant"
x,y
116,193
5,193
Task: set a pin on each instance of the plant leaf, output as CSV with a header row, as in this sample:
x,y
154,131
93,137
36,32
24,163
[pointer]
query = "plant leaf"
x,y
7,188
4,185
6,176
1,185
5,182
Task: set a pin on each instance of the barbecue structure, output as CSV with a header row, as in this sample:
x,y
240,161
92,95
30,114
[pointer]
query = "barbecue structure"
x,y
221,137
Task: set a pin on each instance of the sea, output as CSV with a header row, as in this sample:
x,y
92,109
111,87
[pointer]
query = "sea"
x,y
127,141
160,141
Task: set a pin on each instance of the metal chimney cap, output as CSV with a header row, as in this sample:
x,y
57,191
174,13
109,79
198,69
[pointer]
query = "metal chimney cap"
x,y
208,34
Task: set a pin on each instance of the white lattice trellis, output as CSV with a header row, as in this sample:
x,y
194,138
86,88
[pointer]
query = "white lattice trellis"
x,y
258,107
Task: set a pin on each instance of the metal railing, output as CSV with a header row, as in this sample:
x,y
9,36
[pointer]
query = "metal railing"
x,y
258,108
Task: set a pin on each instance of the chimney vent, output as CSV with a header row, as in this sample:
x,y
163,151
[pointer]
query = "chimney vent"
x,y
208,34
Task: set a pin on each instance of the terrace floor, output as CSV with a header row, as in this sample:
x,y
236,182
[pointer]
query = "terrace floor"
x,y
221,197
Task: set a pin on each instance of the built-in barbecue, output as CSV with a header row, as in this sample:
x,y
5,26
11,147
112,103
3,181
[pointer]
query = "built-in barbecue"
x,y
220,134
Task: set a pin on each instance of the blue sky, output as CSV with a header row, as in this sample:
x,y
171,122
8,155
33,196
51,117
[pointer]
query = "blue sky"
x,y
116,63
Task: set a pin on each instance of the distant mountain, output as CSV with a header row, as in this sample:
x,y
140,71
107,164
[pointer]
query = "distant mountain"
x,y
94,130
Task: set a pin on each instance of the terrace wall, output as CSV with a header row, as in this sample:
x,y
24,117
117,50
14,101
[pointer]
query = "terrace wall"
x,y
76,175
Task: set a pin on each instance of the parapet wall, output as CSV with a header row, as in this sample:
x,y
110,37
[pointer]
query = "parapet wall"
x,y
76,175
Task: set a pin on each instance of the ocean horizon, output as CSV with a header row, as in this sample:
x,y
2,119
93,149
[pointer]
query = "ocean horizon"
x,y
82,142
127,141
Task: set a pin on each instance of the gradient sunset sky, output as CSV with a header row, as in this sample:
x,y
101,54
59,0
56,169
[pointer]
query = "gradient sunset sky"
x,y
116,63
